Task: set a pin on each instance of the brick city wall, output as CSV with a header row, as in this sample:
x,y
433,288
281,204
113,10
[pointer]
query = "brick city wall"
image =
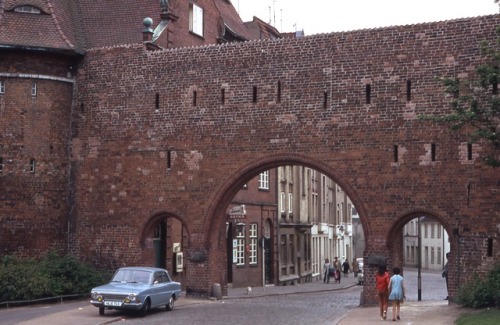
x,y
179,131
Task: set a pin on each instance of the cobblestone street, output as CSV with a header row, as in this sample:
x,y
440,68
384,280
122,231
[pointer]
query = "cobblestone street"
x,y
311,303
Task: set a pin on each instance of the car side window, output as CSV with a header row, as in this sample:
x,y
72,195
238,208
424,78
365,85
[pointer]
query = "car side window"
x,y
157,278
164,277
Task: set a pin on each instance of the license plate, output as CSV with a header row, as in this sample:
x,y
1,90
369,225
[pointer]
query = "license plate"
x,y
113,303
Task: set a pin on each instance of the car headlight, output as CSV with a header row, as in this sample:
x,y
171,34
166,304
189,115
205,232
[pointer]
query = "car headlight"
x,y
96,296
132,298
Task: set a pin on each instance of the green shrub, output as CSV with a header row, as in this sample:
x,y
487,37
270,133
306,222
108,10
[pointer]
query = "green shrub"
x,y
52,275
479,293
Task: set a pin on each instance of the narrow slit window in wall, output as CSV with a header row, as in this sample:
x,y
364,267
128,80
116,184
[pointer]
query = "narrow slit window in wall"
x,y
254,94
489,252
433,152
396,153
408,90
82,108
456,92
469,151
494,82
169,159
279,92
223,96
194,98
33,88
32,165
157,101
2,87
1,164
325,99
368,90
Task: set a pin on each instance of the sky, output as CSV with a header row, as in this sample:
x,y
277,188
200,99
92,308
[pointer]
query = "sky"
x,y
325,16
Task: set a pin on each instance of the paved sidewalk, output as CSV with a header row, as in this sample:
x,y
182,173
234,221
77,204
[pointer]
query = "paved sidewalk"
x,y
412,312
315,286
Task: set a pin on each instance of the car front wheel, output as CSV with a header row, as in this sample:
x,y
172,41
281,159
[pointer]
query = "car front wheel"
x,y
145,308
170,305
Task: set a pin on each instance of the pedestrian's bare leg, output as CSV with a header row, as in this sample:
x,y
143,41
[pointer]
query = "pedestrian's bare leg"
x,y
385,306
381,304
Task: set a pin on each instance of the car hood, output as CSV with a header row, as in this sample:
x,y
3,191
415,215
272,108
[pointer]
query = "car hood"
x,y
122,287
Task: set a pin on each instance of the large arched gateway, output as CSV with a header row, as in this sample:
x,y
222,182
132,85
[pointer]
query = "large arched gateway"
x,y
167,135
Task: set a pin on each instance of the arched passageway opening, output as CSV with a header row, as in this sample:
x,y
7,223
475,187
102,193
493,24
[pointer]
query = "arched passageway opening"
x,y
419,244
165,242
280,220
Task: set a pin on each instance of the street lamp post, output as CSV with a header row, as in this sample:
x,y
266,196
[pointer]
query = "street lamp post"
x,y
419,276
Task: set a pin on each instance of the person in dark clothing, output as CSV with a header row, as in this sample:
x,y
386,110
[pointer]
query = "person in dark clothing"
x,y
445,274
346,268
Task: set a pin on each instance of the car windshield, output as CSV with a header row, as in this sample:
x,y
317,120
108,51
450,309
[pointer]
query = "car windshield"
x,y
132,276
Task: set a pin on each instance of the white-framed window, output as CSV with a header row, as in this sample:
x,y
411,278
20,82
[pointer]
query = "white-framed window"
x,y
240,244
32,165
264,180
438,255
252,258
33,88
27,9
195,19
2,87
282,202
290,203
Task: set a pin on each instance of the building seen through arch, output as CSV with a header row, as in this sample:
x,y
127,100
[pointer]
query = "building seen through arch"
x,y
435,243
282,225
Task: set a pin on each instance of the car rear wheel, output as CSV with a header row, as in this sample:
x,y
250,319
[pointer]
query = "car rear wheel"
x,y
145,308
170,305
101,311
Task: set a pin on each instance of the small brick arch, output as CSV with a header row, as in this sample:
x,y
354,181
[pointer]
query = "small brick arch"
x,y
149,224
149,227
